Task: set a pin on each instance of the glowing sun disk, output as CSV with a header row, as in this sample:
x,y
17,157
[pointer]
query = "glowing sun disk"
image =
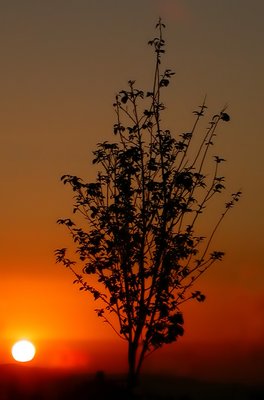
x,y
23,351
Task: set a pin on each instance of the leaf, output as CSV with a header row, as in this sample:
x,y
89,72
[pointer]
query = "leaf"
x,y
198,296
124,99
96,294
224,116
218,160
217,255
99,311
164,82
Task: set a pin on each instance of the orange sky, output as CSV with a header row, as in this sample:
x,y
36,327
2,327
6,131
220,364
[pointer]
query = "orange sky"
x,y
62,63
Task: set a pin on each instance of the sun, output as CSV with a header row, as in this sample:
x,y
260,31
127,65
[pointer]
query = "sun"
x,y
23,351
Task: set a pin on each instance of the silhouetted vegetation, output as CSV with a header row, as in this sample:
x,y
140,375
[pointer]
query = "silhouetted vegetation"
x,y
139,217
29,383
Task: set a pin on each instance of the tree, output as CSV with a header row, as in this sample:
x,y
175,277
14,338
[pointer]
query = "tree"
x,y
138,247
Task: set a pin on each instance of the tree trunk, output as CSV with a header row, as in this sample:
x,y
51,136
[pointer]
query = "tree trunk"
x,y
132,376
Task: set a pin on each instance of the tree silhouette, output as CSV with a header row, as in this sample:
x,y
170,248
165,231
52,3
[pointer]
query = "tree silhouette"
x,y
137,244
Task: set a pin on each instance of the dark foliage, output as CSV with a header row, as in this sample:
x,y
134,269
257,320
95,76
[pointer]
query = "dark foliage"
x,y
140,254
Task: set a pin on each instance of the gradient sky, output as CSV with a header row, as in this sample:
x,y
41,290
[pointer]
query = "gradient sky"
x,y
62,61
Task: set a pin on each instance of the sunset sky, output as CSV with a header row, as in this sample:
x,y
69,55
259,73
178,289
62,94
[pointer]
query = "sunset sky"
x,y
62,62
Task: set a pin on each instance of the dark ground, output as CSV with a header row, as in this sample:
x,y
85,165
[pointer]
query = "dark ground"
x,y
28,383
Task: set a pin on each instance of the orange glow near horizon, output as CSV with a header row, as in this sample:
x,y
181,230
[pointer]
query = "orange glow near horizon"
x,y
88,344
